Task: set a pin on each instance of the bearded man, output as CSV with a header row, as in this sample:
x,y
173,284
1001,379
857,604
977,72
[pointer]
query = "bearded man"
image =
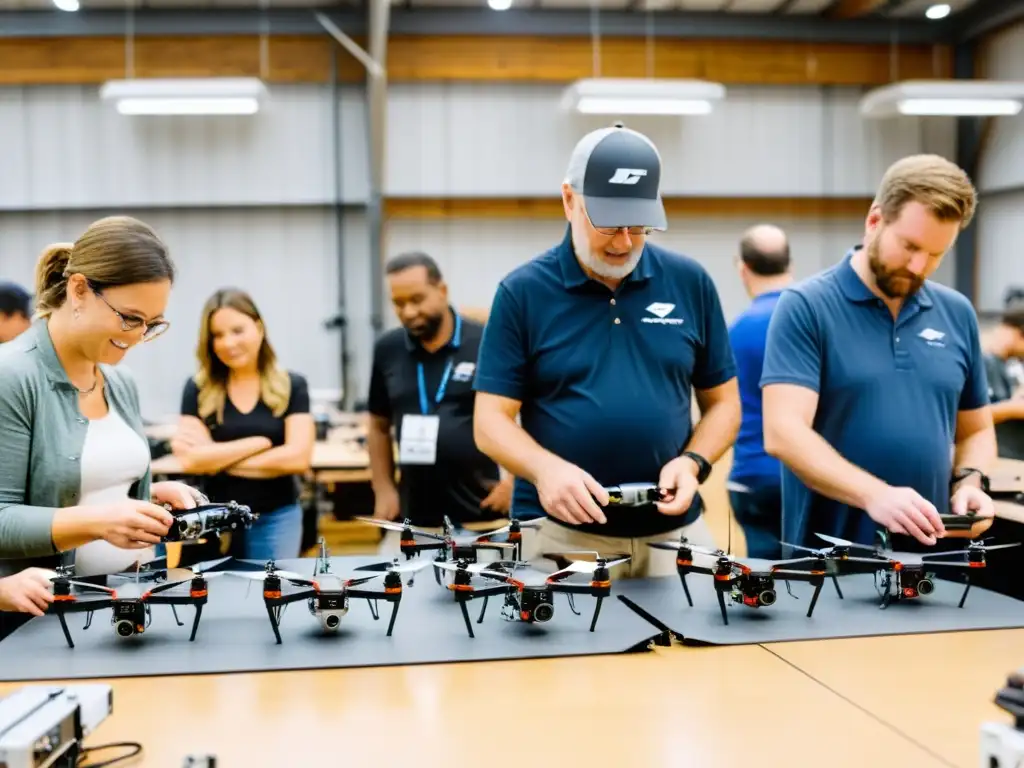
x,y
596,346
874,389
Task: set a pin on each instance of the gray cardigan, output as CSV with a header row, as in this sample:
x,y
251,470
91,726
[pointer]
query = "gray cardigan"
x,y
42,432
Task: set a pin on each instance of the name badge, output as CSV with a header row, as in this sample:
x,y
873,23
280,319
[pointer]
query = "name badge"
x,y
418,442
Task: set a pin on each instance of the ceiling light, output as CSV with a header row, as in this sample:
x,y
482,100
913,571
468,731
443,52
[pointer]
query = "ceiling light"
x,y
638,96
959,98
499,5
186,96
66,5
936,12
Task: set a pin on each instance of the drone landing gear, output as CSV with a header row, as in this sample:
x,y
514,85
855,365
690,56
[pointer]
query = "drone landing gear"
x,y
67,632
839,592
967,589
195,622
375,612
686,589
178,621
597,612
721,602
274,612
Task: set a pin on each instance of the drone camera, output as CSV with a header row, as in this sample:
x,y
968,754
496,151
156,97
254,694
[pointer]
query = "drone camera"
x,y
537,605
331,620
189,528
925,586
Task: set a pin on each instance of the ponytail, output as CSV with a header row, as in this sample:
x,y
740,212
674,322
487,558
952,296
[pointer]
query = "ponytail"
x,y
51,280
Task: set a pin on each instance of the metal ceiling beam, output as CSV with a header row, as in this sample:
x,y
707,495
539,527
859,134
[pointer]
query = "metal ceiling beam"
x,y
379,17
480,21
986,17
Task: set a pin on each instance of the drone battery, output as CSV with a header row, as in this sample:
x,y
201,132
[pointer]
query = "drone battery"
x,y
43,726
467,553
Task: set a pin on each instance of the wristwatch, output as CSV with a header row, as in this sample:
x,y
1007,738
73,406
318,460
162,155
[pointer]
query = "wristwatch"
x,y
703,465
964,472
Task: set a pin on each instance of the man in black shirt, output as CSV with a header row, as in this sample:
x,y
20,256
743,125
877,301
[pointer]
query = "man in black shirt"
x,y
15,311
422,384
1005,391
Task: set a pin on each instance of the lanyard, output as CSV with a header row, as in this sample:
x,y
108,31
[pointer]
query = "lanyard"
x,y
421,378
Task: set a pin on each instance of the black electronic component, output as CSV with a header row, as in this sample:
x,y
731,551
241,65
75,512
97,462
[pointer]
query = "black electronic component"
x,y
208,519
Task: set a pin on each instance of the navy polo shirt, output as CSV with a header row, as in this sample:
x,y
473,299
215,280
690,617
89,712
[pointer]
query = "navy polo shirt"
x,y
604,377
748,334
889,391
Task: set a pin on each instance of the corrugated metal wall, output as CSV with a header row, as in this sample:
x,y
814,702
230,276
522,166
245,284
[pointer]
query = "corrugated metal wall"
x,y
284,257
462,139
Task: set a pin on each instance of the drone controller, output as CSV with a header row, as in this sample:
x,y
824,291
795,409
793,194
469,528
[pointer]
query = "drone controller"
x,y
194,524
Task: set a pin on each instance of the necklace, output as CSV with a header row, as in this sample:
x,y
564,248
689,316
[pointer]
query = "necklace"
x,y
95,383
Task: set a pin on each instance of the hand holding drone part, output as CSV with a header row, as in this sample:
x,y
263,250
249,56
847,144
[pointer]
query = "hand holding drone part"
x,y
195,523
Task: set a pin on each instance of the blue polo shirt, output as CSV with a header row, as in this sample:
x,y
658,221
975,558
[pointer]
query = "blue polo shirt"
x,y
889,391
748,334
604,377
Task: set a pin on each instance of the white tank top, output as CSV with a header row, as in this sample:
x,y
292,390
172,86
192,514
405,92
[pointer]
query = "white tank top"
x,y
114,458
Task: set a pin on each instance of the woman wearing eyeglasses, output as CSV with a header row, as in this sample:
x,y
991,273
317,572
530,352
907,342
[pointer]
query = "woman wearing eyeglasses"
x,y
74,461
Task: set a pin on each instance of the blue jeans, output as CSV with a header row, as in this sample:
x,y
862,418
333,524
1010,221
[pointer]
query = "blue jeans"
x,y
277,535
759,513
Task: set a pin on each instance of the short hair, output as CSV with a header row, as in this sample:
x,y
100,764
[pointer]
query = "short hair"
x,y
15,300
761,262
114,251
1014,318
938,184
410,259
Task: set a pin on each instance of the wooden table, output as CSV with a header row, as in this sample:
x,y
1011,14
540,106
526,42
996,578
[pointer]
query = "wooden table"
x,y
700,707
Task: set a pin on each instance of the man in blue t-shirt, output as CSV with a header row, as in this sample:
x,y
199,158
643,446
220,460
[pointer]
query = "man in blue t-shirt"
x,y
596,345
874,388
755,482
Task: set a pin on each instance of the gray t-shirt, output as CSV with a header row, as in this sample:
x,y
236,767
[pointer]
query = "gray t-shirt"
x,y
1001,387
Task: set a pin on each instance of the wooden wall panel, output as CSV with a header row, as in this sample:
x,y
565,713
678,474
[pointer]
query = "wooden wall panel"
x,y
25,61
546,208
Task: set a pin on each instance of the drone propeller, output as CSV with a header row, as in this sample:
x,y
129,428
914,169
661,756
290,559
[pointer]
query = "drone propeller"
x,y
394,566
673,545
400,527
83,584
973,547
505,529
296,578
477,569
837,542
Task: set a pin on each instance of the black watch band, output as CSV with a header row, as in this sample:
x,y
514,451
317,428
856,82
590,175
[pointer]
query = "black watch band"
x,y
703,466
964,472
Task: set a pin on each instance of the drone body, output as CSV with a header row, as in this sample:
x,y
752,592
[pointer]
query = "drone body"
x,y
737,582
328,595
131,605
206,519
529,603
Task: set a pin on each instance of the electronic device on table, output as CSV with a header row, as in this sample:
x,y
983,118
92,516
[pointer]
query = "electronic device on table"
x,y
1002,744
191,525
42,726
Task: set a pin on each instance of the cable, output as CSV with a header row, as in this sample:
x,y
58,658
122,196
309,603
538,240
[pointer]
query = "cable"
x,y
132,745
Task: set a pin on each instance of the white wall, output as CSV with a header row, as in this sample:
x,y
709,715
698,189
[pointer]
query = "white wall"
x,y
1001,182
285,258
470,139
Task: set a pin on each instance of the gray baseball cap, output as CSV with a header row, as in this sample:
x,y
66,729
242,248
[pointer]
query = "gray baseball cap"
x,y
618,172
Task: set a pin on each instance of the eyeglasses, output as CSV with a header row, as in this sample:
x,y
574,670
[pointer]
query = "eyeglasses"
x,y
133,323
633,231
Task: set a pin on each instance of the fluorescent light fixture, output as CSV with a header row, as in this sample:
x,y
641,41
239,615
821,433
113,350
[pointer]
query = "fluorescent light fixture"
x,y
639,96
938,11
66,5
955,98
186,96
499,5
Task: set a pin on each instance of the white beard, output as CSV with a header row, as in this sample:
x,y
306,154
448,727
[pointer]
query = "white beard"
x,y
592,259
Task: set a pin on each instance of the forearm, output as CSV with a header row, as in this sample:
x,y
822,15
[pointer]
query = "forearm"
x,y
382,458
508,444
820,466
977,450
211,458
1008,410
28,531
282,460
716,431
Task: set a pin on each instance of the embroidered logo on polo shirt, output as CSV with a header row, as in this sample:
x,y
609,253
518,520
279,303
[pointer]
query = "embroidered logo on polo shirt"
x,y
932,337
661,312
463,371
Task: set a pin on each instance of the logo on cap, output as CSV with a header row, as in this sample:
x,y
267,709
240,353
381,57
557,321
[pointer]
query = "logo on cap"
x,y
627,175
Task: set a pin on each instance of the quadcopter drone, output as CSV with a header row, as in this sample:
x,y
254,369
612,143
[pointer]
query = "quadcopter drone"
x,y
132,603
451,547
739,582
328,594
193,524
533,603
897,576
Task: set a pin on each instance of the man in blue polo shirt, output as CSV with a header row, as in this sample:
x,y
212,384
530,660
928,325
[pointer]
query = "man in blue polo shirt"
x,y
596,344
874,389
755,481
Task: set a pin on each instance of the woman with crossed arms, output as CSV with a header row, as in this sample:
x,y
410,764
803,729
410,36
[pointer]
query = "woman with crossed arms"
x,y
74,459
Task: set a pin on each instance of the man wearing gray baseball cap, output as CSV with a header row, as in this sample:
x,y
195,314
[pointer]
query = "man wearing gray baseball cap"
x,y
594,346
